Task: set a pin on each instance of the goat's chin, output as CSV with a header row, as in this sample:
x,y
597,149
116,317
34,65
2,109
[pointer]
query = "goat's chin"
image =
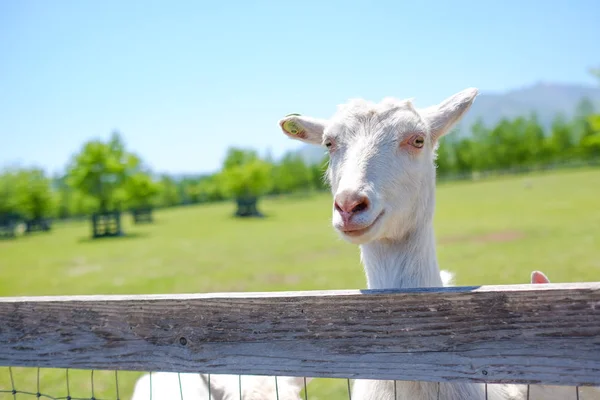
x,y
365,235
358,240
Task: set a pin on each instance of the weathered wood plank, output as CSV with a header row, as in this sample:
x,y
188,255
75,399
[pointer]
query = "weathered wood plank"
x,y
546,334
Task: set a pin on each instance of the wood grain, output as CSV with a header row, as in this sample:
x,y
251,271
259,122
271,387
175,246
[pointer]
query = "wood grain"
x,y
548,334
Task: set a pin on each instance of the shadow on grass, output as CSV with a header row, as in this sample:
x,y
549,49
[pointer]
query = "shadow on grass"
x,y
7,238
25,235
234,217
127,236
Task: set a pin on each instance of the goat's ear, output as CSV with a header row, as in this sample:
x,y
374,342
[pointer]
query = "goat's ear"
x,y
442,117
305,129
539,277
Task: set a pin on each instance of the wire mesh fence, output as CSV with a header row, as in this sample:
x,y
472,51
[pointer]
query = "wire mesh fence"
x,y
70,347
61,384
72,384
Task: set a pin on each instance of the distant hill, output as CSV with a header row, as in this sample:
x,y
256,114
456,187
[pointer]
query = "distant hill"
x,y
545,99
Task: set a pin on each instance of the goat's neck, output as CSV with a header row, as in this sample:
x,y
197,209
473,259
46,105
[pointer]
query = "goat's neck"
x,y
407,262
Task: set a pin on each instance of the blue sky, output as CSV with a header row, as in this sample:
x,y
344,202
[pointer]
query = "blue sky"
x,y
183,80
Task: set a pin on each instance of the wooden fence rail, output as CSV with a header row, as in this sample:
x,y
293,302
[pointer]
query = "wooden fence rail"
x,y
547,334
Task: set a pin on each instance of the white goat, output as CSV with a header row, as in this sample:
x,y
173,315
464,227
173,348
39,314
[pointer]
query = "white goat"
x,y
188,386
382,177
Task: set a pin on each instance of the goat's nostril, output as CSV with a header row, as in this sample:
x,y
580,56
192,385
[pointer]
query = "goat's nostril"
x,y
360,206
352,203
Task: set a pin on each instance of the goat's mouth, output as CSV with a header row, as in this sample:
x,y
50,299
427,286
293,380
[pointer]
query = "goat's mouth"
x,y
355,232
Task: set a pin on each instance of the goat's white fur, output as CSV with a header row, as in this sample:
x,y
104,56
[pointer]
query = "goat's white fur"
x,y
171,386
369,157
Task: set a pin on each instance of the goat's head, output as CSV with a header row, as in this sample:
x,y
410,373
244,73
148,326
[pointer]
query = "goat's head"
x,y
381,166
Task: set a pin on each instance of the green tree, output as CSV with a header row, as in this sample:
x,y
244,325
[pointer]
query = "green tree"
x,y
192,191
589,144
251,179
236,157
141,190
101,171
169,194
64,194
82,204
292,174
483,154
590,140
534,142
72,202
561,141
210,189
505,142
245,177
465,155
445,160
580,123
35,199
9,201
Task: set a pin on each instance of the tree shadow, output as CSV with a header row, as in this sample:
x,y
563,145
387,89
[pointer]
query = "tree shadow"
x,y
7,238
127,236
249,217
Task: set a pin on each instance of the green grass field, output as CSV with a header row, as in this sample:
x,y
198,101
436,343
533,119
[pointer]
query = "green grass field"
x,y
490,232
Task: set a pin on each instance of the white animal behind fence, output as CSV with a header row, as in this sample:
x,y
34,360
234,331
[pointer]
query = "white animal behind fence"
x,y
170,386
382,176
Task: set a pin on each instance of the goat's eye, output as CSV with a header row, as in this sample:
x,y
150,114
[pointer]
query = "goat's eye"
x,y
329,144
417,141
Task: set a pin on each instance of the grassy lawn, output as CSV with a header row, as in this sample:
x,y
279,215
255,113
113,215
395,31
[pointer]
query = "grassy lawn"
x,y
491,232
